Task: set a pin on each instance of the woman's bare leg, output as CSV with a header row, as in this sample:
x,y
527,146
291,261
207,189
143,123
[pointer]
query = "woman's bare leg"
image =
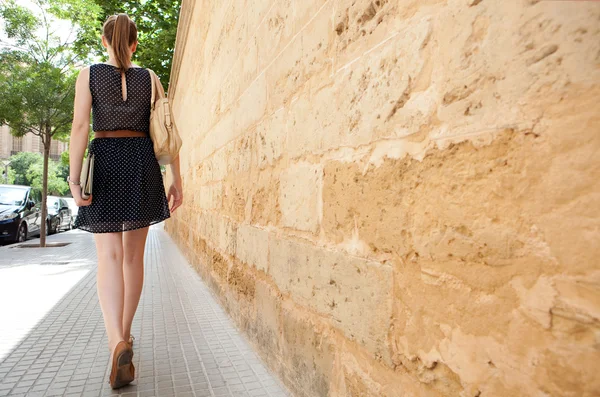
x,y
109,248
134,242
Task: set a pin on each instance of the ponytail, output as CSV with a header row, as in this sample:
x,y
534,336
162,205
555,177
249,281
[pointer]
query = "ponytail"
x,y
120,32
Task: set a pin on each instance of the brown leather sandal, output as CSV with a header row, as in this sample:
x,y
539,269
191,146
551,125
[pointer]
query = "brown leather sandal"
x,y
122,371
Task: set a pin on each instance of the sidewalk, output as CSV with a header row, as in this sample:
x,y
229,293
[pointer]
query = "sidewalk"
x,y
53,343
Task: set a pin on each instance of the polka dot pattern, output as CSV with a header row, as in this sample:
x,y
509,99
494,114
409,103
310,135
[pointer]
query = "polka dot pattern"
x,y
128,191
109,111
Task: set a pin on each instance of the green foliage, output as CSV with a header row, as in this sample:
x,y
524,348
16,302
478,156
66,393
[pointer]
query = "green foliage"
x,y
56,185
63,165
27,169
157,28
11,177
20,164
19,23
39,99
64,158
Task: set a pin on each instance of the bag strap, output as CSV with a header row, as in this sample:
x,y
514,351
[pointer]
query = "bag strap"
x,y
157,88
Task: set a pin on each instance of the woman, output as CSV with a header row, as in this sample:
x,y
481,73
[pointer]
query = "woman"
x,y
127,193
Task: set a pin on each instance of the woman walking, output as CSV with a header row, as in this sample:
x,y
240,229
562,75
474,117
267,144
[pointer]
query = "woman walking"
x,y
128,194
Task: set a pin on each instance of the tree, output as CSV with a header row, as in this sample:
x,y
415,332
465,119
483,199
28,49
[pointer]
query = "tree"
x,y
63,165
37,75
20,164
56,185
156,21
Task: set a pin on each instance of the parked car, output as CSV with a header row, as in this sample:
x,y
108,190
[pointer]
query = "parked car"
x,y
59,214
20,213
74,208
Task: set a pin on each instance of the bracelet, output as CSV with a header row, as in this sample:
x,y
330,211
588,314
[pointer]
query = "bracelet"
x,y
71,182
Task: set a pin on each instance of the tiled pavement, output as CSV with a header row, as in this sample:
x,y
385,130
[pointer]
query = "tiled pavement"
x,y
53,343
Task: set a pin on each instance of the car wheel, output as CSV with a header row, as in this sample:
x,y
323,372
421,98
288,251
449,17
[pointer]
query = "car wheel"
x,y
21,233
47,228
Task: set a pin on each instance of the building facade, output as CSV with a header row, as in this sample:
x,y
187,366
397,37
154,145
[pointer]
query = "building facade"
x,y
10,145
398,198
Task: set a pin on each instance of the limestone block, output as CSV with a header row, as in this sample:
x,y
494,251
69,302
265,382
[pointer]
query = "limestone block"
x,y
376,88
209,229
211,196
355,293
239,153
249,63
270,138
308,352
251,106
252,246
265,209
361,25
304,11
221,134
230,89
305,132
236,193
227,235
256,11
275,32
300,196
242,73
317,43
267,327
285,75
219,165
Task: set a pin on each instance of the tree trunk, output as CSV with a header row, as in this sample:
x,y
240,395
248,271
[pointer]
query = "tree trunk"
x,y
45,190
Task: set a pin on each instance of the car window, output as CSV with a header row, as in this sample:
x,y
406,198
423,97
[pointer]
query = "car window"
x,y
12,196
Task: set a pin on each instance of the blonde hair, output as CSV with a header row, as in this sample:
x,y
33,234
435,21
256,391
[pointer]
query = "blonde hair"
x,y
120,32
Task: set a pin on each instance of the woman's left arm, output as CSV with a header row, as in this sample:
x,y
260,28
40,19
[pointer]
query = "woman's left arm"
x,y
79,133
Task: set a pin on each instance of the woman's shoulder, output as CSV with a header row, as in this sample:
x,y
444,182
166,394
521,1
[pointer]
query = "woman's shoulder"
x,y
84,72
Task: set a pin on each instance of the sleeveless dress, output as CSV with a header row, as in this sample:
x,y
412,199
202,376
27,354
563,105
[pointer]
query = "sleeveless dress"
x,y
128,191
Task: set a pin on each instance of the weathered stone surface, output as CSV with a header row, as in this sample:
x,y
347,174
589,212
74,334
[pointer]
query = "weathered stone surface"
x,y
399,198
307,352
300,196
252,246
354,293
271,136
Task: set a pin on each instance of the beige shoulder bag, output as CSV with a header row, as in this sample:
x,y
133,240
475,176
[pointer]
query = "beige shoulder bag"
x,y
163,132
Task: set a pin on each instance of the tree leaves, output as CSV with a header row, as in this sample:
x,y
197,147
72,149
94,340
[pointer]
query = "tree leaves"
x,y
36,96
56,185
19,22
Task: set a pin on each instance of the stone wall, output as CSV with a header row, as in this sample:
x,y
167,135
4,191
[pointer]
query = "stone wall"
x,y
398,198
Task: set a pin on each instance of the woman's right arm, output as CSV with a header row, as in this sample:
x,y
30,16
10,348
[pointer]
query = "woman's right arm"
x,y
79,133
176,190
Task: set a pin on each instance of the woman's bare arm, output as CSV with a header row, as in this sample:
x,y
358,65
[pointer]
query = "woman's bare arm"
x,y
80,131
176,190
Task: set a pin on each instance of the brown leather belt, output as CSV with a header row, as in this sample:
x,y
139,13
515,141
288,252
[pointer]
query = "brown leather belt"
x,y
119,134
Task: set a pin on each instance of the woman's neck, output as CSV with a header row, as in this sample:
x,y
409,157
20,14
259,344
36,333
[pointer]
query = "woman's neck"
x,y
112,61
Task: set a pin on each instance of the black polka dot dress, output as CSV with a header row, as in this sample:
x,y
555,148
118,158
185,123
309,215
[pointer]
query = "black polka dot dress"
x,y
128,191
